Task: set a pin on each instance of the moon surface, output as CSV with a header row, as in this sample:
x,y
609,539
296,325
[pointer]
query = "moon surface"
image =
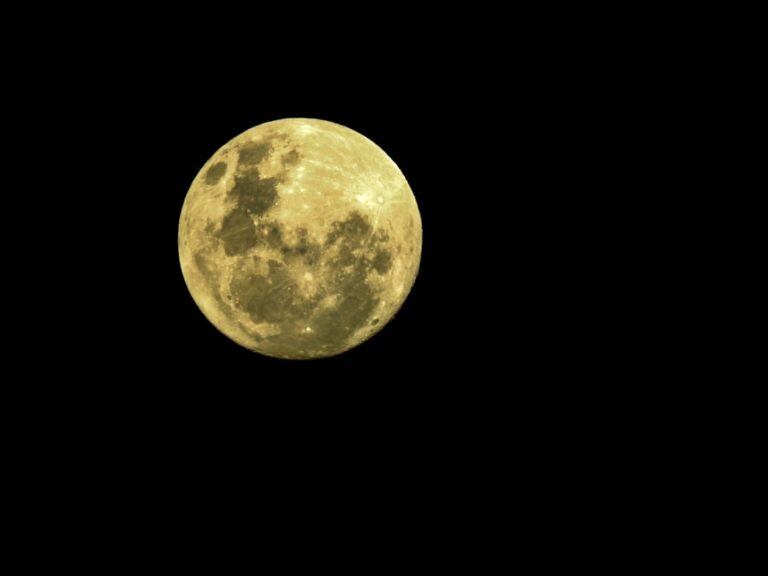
x,y
299,238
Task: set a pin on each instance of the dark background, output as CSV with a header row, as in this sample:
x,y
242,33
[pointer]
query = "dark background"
x,y
499,147
456,154
510,135
486,347
136,373
525,397
514,377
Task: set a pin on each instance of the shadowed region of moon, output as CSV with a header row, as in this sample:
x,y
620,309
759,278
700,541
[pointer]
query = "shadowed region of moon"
x,y
299,238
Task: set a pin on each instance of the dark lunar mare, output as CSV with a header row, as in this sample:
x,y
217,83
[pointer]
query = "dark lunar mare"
x,y
270,298
238,232
274,296
252,153
215,172
253,193
253,196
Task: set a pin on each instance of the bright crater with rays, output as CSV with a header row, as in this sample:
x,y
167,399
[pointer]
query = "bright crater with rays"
x,y
299,238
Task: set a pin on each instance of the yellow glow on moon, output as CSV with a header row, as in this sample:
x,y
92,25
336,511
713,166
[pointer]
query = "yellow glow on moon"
x,y
299,238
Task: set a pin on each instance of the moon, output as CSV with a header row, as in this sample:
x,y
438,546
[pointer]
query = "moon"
x,y
299,239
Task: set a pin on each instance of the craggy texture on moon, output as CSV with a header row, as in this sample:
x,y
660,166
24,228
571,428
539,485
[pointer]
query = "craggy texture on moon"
x,y
299,238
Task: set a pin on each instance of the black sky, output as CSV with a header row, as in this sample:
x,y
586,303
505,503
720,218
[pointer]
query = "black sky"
x,y
493,132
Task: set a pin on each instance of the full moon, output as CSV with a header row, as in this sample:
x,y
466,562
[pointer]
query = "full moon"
x,y
299,239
